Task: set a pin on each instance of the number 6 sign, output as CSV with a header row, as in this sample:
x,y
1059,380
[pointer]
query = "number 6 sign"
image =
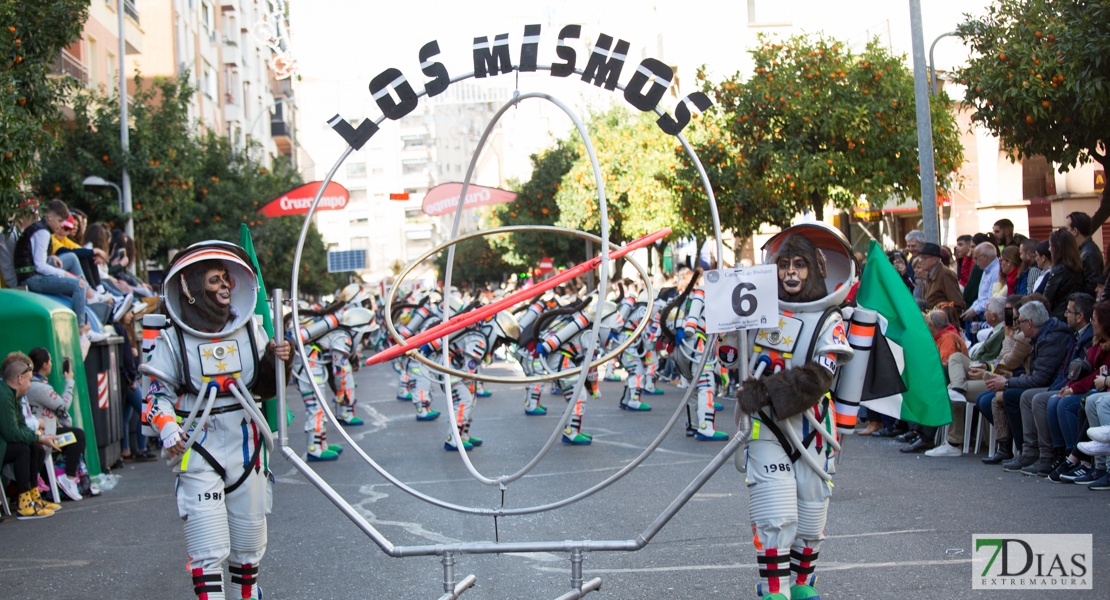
x,y
738,299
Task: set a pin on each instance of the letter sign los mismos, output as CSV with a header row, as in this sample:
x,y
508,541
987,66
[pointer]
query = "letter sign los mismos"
x,y
644,89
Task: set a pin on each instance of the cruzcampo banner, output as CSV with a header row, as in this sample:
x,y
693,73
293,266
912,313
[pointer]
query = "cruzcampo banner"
x,y
925,400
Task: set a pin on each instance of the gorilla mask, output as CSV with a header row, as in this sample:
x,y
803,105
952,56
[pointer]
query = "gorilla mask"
x,y
801,270
206,296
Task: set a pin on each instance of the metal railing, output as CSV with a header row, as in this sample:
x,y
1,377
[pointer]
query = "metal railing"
x,y
67,64
131,10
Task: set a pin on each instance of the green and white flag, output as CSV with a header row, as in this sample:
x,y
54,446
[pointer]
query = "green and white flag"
x,y
925,399
262,307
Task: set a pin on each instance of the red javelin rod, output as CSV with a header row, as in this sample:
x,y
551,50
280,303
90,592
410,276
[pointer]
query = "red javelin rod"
x,y
469,318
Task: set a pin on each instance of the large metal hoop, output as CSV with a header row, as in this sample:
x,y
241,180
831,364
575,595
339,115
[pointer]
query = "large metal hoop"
x,y
511,380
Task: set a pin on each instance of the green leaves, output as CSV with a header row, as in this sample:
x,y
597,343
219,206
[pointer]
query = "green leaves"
x,y
815,123
32,36
1039,79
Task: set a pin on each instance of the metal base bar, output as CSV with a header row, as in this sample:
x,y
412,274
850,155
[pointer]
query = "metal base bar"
x,y
592,585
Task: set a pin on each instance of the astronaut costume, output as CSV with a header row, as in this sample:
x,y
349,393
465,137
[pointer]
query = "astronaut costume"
x,y
690,343
201,390
794,365
526,355
631,312
563,347
467,349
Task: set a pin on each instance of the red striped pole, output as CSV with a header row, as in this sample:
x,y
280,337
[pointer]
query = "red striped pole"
x,y
469,318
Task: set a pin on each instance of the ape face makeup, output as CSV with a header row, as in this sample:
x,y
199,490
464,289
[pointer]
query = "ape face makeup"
x,y
217,284
793,272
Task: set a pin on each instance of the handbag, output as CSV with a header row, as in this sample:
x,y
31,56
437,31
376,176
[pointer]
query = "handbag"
x,y
1079,368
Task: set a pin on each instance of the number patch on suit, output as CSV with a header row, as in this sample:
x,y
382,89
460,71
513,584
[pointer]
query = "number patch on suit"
x,y
209,496
781,467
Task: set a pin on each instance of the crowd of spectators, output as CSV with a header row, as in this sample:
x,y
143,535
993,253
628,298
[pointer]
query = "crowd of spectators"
x,y
85,267
1022,328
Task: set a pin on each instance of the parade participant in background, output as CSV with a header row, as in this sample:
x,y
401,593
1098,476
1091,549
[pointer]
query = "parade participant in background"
x,y
630,312
526,354
794,370
690,344
206,370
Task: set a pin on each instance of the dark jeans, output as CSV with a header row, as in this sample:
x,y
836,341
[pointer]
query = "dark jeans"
x,y
984,403
26,461
1011,401
133,405
72,452
1063,420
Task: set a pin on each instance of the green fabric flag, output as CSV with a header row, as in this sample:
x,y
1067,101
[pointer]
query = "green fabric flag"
x,y
262,307
926,399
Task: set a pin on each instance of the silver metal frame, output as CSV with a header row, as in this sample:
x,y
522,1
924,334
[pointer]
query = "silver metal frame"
x,y
575,549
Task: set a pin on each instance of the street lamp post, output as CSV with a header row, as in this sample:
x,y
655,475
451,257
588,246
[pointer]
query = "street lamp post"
x,y
924,128
99,181
129,226
933,63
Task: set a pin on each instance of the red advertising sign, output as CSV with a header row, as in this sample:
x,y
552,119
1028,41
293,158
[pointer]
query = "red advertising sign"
x,y
443,198
297,201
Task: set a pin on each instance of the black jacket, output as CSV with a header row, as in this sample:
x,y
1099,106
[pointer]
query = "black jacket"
x,y
1050,347
1092,264
1060,284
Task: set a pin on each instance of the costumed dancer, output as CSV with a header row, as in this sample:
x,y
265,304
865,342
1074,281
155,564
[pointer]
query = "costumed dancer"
x,y
526,355
339,346
414,378
632,359
564,348
794,424
651,333
205,372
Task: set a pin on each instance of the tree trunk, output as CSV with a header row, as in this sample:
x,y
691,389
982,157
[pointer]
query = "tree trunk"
x,y
818,204
1103,211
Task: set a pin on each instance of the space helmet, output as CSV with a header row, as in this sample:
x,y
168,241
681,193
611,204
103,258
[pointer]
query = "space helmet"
x,y
244,283
840,265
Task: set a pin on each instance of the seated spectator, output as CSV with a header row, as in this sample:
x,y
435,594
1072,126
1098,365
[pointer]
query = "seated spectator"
x,y
44,276
1044,263
1063,418
8,276
1050,340
965,376
949,342
21,446
1029,263
47,404
942,290
1036,404
1004,235
1066,277
1011,272
986,257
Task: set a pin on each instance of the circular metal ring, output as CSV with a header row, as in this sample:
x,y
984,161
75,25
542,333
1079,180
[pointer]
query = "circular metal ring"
x,y
512,380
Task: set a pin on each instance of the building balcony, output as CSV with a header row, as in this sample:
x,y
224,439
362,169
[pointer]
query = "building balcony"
x,y
281,133
229,4
233,113
132,33
68,65
231,53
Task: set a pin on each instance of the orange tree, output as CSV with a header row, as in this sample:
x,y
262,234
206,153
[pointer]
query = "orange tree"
x,y
814,124
1039,79
161,161
637,164
535,205
32,36
228,192
476,261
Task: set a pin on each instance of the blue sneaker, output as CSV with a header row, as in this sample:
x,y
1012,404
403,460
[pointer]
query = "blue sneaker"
x,y
718,407
326,455
431,415
639,406
473,441
484,394
535,412
352,422
611,378
335,448
716,436
405,397
652,392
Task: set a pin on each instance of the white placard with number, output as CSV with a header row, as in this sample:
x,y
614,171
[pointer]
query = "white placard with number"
x,y
738,299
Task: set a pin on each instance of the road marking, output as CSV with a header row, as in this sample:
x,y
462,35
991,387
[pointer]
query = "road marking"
x,y
825,566
41,563
852,535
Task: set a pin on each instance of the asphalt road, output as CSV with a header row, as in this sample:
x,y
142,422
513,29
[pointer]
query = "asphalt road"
x,y
899,526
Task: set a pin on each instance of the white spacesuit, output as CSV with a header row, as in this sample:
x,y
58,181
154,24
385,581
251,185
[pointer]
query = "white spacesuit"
x,y
794,366
204,372
526,355
630,313
690,344
565,335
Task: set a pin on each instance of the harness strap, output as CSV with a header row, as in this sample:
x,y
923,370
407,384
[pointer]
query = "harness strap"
x,y
219,469
791,451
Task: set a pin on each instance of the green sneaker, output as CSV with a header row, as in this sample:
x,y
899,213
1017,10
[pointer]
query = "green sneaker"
x,y
803,592
577,439
335,448
322,456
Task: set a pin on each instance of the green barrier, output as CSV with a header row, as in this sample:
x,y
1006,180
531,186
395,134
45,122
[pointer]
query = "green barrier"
x,y
31,321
